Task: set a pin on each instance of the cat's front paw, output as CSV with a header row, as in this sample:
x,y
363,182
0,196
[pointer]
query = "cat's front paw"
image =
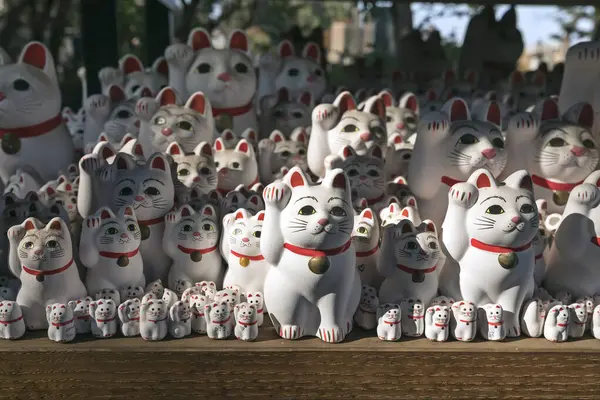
x,y
325,115
171,217
93,222
463,194
97,106
15,233
331,334
89,163
266,146
586,194
146,107
277,195
110,76
179,55
290,332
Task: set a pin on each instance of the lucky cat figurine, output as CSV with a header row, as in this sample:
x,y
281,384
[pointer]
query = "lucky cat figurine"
x,y
235,166
398,155
463,321
556,327
366,237
257,299
24,180
365,316
307,240
219,321
408,261
60,322
437,323
191,240
32,133
131,292
180,320
241,197
277,152
285,113
225,75
401,118
104,318
197,303
341,124
81,313
246,327
42,258
491,322
109,248
389,325
595,325
451,145
137,78
413,315
196,169
559,152
533,317
129,315
12,325
153,320
577,320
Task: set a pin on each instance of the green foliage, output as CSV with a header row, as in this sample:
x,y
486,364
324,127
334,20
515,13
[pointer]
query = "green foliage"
x,y
130,27
578,22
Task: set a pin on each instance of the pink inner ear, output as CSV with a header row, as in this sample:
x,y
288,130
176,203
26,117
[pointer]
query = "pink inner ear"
x,y
167,97
431,227
50,191
146,92
198,103
243,147
347,103
283,95
392,208
121,163
185,212
174,149
252,135
483,181
550,110
377,153
301,137
238,41
312,51
586,116
138,150
378,108
29,226
131,64
116,93
458,111
127,139
218,144
261,216
431,95
159,163
412,103
387,99
339,181
278,137
105,215
56,226
493,114
368,214
102,138
128,211
35,55
297,180
208,211
200,40
411,202
405,213
206,150
163,67
347,151
286,49
254,200
239,215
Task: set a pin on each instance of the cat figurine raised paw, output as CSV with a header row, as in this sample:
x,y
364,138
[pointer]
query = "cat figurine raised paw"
x,y
533,318
246,327
12,325
219,321
180,320
491,322
463,321
577,320
556,327
129,315
257,300
153,320
413,315
437,323
389,322
197,303
61,325
366,314
81,313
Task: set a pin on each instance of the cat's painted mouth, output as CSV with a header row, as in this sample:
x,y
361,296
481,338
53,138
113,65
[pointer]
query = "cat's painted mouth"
x,y
127,240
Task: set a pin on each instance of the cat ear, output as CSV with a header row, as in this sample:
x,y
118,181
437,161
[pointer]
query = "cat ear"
x,y
581,114
130,63
347,152
429,226
199,39
490,112
124,161
104,150
375,151
299,135
482,178
219,145
405,226
375,105
431,95
517,78
199,103
238,40
520,180
411,201
306,98
367,214
186,211
32,224
145,92
312,51
260,216
337,179
295,177
57,224
285,49
241,214
549,110
38,55
448,77
138,150
116,93
105,213
126,138
208,210
161,66
166,96
203,149
174,149
471,76
128,211
457,110
250,135
158,161
410,101
387,97
276,136
395,139
344,102
244,147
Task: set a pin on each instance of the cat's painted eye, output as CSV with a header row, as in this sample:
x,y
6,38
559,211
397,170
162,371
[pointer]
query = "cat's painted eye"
x,y
183,172
203,68
353,172
28,245
132,227
208,227
377,131
185,125
468,139
216,164
318,72
557,142
588,143
411,245
126,191
498,143
186,228
297,114
388,118
60,202
256,234
285,154
21,85
410,120
241,68
362,230
237,231
337,212
152,191
307,210
373,173
302,152
494,210
432,245
235,164
111,231
123,114
205,170
527,209
293,72
160,121
134,88
52,244
350,128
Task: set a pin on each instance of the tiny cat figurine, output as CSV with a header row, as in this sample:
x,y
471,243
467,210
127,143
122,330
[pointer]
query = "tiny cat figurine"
x,y
307,240
227,296
131,292
163,121
24,180
196,169
595,326
577,320
191,240
571,261
409,259
235,166
257,300
138,80
219,321
556,327
170,298
207,288
278,152
394,213
180,320
33,133
533,317
109,248
464,321
389,322
60,322
246,327
155,287
559,152
12,325
413,315
241,197
197,303
365,237
42,258
401,118
81,313
225,75
450,146
153,320
285,113
241,249
491,322
437,321
147,187
398,155
129,315
341,124
492,226
104,318
365,316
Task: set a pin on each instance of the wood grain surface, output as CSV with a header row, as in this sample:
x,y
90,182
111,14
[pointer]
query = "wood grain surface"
x,y
362,367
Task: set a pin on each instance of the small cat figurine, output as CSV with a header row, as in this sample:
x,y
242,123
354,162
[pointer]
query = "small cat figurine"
x,y
225,75
42,258
197,303
365,238
556,327
33,133
12,325
241,197
81,314
235,166
533,317
246,327
60,322
277,152
180,319
257,299
491,322
153,320
341,124
24,180
492,226
365,316
389,326
191,240
463,322
219,321
137,78
195,169
286,113
104,318
437,321
577,320
413,317
401,119
398,155
307,239
129,315
109,248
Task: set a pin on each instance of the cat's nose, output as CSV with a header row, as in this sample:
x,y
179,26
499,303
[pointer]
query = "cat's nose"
x,y
489,153
365,137
38,252
123,235
224,171
197,179
245,240
363,178
225,77
167,131
323,221
578,151
139,198
311,78
198,234
516,219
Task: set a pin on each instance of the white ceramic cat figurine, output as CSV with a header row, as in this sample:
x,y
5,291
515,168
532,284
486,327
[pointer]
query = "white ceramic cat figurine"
x,y
313,288
559,152
463,322
104,318
366,237
286,113
246,320
131,292
153,320
413,315
401,118
409,259
137,78
23,181
180,320
437,321
278,152
60,322
191,240
257,299
109,248
533,317
577,320
235,166
32,131
489,230
595,327
365,316
449,147
129,315
227,296
197,303
225,75
219,321
556,327
81,313
42,258
389,322
241,197
341,124
398,155
491,322
12,325
196,169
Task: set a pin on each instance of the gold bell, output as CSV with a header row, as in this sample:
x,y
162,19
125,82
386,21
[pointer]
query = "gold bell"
x,y
123,261
319,265
145,231
418,276
560,197
508,260
11,143
195,256
244,262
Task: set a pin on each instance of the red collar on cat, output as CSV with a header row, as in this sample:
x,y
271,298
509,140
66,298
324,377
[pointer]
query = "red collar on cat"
x,y
117,255
152,221
496,323
562,325
34,130
57,324
596,240
367,253
234,112
247,323
441,325
36,272
415,317
391,323
222,322
498,249
105,320
157,320
317,253
450,181
413,270
252,258
375,200
5,323
548,184
187,250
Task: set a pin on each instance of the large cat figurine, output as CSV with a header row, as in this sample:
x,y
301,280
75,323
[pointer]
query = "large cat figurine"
x,y
341,124
32,132
236,166
278,152
197,168
451,145
42,258
571,261
558,152
163,121
313,288
225,75
488,230
285,113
